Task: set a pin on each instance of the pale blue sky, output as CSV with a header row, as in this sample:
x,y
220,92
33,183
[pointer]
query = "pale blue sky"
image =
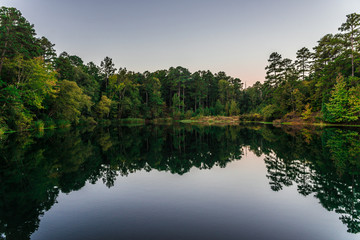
x,y
232,36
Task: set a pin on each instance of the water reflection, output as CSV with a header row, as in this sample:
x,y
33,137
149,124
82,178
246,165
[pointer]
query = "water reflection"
x,y
327,166
35,168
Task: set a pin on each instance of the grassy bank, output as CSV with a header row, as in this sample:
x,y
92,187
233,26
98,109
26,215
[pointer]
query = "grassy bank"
x,y
213,120
304,123
40,126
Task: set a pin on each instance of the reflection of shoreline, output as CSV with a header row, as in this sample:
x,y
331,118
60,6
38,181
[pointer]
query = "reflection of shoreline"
x,y
36,168
331,172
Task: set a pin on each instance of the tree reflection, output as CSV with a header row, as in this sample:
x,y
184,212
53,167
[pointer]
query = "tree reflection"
x,y
325,165
36,168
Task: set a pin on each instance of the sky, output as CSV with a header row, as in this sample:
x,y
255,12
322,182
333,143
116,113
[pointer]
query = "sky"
x,y
217,35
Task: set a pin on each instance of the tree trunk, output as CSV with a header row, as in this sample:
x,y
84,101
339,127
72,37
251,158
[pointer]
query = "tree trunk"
x,y
195,104
352,54
303,70
147,98
179,91
183,99
4,50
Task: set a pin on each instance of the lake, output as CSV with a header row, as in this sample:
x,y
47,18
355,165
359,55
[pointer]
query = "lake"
x,y
181,182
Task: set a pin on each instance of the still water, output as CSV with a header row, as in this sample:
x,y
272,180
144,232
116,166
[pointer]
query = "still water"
x,y
181,182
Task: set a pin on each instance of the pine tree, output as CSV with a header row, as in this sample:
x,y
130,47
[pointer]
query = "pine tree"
x,y
340,104
303,60
17,36
352,32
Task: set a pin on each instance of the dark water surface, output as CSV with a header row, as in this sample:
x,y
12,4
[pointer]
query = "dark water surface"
x,y
181,182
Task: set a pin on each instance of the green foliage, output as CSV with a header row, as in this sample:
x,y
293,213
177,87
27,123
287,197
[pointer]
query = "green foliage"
x,y
39,125
28,87
36,84
177,115
177,104
270,112
49,123
88,120
351,29
103,107
344,104
219,108
17,36
188,114
306,114
311,80
274,69
107,69
132,120
63,123
303,62
204,112
299,100
354,101
35,79
3,126
31,88
151,87
345,148
234,109
70,101
22,118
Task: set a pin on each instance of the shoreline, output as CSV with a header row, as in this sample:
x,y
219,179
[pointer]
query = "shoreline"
x,y
205,121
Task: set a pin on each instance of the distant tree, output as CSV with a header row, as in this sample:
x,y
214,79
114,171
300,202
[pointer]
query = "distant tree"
x,y
176,107
287,68
198,89
17,35
255,95
224,91
107,69
47,50
179,77
274,69
92,69
153,100
352,31
64,67
303,61
76,61
329,47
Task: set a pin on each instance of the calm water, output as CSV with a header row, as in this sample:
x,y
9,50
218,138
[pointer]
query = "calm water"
x,y
181,182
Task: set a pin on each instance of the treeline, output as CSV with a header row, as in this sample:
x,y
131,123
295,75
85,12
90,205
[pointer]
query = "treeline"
x,y
40,89
320,85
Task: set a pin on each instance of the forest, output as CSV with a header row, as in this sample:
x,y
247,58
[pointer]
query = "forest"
x,y
40,89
